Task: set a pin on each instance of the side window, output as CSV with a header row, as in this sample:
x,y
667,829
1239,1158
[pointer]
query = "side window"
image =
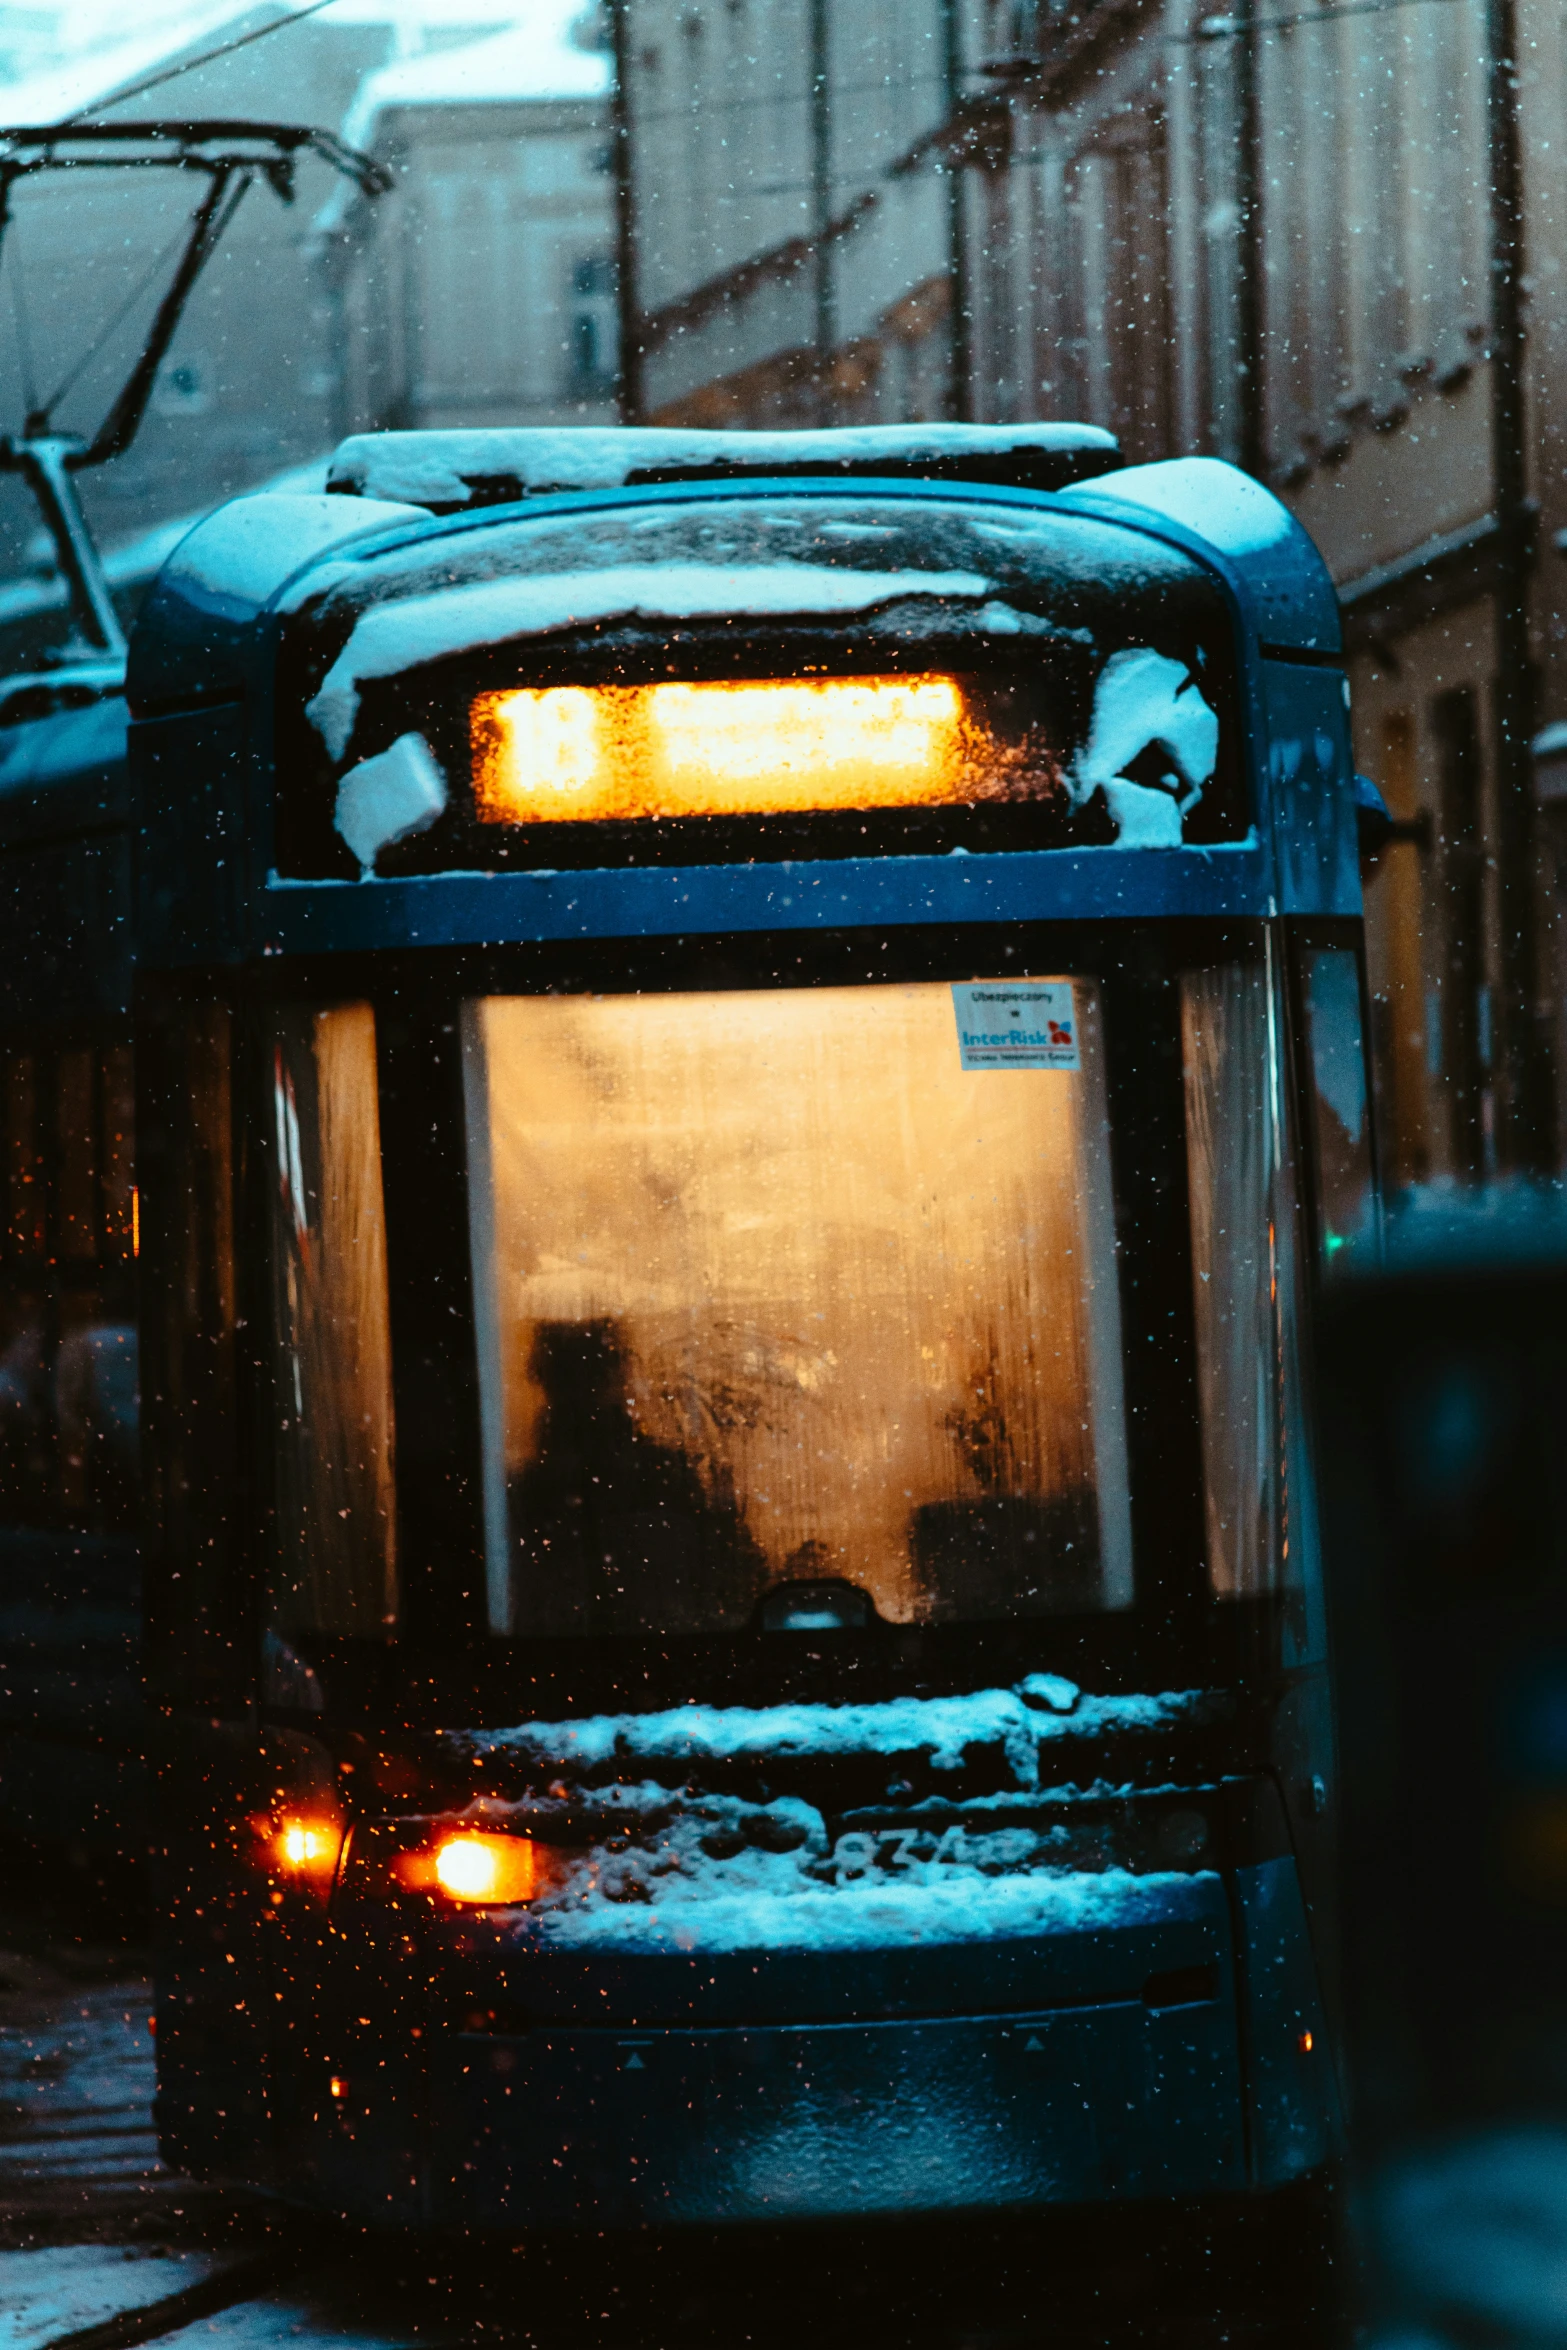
x,y
1247,1264
1229,1154
69,1401
1338,1111
334,1568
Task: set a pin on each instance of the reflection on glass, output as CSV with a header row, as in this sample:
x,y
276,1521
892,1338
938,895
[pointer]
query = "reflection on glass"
x,y
1341,1125
771,1291
334,1569
564,754
1229,1153
69,1433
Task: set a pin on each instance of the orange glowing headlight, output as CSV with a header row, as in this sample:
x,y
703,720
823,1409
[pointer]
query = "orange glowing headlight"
x,y
308,1847
473,1866
581,754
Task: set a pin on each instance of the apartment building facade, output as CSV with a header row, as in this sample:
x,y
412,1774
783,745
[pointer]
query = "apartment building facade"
x,y
482,290
1278,237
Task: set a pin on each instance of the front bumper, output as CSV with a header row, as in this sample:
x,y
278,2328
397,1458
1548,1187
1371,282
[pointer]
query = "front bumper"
x,y
590,2125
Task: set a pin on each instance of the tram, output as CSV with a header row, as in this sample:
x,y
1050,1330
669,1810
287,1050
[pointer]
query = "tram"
x,y
748,1053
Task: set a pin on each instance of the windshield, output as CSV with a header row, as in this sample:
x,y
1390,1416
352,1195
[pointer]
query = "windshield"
x,y
796,1298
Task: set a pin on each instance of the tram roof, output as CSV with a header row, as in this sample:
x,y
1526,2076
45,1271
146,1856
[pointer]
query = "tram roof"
x,y
195,640
454,472
278,587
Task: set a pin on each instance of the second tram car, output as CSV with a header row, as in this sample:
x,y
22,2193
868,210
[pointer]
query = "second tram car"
x,y
748,1051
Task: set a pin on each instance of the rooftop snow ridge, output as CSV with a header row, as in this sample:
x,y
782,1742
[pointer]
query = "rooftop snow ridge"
x,y
446,471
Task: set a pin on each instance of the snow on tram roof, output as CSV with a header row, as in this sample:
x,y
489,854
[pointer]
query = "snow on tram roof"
x,y
495,465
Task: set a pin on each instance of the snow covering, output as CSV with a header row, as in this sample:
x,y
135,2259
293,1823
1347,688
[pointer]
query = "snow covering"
x,y
1145,701
941,1730
679,1868
64,2288
448,468
385,799
398,636
108,57
535,59
1211,498
666,1906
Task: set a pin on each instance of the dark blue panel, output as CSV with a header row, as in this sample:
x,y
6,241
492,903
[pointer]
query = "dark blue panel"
x,y
1311,789
65,930
1052,885
830,2121
501,1963
189,777
1295,2118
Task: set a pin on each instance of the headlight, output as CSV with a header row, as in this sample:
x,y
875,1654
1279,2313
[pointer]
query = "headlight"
x,y
474,1866
305,1848
499,1870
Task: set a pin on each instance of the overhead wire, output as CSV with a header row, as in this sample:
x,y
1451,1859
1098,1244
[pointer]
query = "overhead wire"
x,y
152,81
1229,28
73,376
171,73
24,339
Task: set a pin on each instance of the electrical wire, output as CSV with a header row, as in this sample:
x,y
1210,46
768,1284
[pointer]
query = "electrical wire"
x,y
24,339
69,381
643,118
171,73
1231,28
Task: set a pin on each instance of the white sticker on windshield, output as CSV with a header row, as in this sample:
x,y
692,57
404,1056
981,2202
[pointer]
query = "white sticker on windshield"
x,y
1016,1024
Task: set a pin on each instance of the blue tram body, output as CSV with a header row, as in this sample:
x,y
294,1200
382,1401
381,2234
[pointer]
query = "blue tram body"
x,y
731,1566
72,1724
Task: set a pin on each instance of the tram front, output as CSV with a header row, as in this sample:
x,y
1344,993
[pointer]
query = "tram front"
x,y
749,1047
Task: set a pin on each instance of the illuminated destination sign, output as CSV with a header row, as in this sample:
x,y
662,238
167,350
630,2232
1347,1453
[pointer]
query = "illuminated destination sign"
x,y
581,754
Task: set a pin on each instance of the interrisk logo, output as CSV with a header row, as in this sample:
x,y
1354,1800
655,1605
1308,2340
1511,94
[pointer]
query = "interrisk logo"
x,y
1016,1024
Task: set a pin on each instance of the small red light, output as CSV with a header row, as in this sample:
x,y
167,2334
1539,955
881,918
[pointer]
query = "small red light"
x,y
152,2027
338,2086
1305,2043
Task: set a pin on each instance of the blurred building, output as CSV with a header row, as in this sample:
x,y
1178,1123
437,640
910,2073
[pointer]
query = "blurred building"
x,y
245,391
1271,245
482,290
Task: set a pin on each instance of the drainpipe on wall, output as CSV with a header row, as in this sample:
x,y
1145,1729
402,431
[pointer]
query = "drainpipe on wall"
x,y
1250,326
960,379
825,334
1525,1139
629,393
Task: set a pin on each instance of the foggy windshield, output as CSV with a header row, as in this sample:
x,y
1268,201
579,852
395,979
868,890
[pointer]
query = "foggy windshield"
x,y
774,1290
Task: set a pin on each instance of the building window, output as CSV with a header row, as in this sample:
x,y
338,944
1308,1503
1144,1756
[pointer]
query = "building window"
x,y
593,334
1455,728
68,1367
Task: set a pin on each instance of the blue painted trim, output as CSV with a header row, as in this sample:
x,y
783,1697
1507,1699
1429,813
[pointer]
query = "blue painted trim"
x,y
503,909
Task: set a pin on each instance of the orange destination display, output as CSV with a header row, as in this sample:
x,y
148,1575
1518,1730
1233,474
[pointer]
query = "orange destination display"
x,y
562,754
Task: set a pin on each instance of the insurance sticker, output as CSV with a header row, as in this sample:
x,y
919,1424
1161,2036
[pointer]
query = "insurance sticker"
x,y
1016,1024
